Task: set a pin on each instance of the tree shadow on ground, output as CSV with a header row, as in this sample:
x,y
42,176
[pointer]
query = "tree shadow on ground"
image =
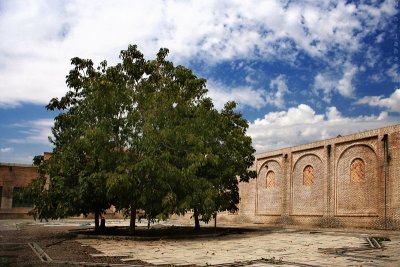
x,y
164,232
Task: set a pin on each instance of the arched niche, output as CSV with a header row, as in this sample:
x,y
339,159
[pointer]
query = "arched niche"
x,y
307,186
269,188
357,182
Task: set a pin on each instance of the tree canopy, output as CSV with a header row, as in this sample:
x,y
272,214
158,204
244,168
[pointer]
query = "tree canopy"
x,y
141,135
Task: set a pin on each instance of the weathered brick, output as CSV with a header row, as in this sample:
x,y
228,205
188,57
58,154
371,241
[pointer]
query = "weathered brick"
x,y
353,185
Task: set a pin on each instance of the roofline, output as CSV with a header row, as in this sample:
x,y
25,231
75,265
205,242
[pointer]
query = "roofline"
x,y
16,165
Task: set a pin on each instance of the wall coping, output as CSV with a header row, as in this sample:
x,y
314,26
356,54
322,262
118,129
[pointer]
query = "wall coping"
x,y
5,164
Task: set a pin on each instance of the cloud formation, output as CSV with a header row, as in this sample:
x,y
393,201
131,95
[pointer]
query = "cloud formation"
x,y
6,149
247,96
391,103
33,132
290,53
329,83
244,96
40,37
279,90
394,73
301,125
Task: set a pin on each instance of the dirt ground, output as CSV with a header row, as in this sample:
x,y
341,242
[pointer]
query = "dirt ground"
x,y
59,243
27,243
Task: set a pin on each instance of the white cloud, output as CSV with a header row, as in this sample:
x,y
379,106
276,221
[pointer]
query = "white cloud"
x,y
372,56
301,124
326,83
6,149
377,77
345,86
246,96
329,83
380,38
243,96
332,114
277,98
252,74
394,73
301,114
391,103
39,37
33,132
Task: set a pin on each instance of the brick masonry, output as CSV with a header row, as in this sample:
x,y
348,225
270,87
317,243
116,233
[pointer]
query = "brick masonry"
x,y
14,176
347,181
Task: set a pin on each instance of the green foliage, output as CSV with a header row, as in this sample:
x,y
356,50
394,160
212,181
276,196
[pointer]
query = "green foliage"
x,y
141,134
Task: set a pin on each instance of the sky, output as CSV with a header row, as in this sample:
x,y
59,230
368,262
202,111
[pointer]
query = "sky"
x,y
300,71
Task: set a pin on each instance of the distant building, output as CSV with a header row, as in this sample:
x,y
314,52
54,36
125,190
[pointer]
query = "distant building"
x,y
13,177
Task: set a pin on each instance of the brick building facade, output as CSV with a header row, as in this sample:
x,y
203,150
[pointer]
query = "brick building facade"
x,y
13,177
349,181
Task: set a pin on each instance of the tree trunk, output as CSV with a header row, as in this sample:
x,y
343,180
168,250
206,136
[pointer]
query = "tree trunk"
x,y
96,221
133,219
102,224
215,221
196,220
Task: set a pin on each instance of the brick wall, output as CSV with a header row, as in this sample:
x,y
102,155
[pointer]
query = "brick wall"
x,y
348,181
13,176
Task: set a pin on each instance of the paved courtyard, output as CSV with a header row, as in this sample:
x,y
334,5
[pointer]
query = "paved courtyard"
x,y
289,247
264,247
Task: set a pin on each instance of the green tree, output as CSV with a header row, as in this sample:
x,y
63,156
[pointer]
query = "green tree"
x,y
141,135
220,158
89,137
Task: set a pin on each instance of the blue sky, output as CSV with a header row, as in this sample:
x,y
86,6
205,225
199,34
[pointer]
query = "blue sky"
x,y
300,71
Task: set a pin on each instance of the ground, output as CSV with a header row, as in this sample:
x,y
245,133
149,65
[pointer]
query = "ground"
x,y
69,242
